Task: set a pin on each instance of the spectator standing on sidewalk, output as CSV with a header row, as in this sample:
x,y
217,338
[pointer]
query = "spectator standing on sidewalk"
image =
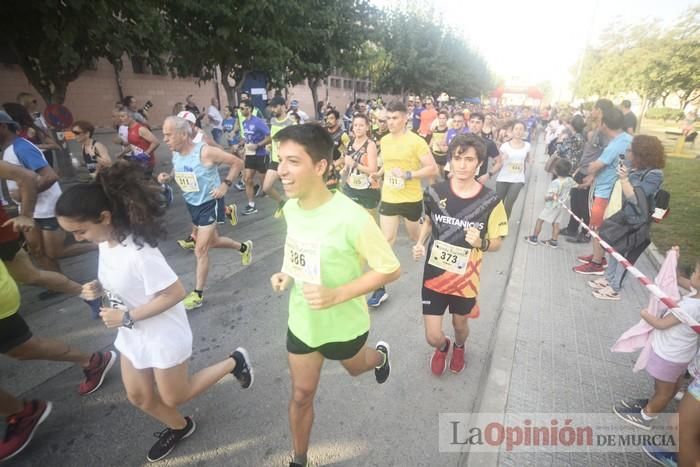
x,y
642,169
630,125
596,141
602,174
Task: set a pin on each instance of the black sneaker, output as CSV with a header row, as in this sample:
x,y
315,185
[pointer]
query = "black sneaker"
x,y
382,373
638,404
244,375
249,210
568,233
168,439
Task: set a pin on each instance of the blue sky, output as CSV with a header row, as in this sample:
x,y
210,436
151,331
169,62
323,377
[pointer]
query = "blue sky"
x,y
541,40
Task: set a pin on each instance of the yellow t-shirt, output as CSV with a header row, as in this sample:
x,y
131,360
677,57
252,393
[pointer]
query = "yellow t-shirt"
x,y
9,293
403,152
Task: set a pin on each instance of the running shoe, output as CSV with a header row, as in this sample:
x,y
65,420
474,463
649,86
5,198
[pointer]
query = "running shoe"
x,y
580,238
279,212
606,293
438,362
589,259
457,361
633,416
247,255
168,439
232,214
187,244
249,210
22,426
244,374
381,373
240,186
598,283
100,364
590,269
378,296
532,240
192,301
638,404
660,455
551,243
569,233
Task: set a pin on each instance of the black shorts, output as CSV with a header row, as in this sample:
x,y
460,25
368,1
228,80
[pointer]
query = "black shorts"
x,y
13,332
211,212
435,303
258,163
8,250
368,199
273,165
411,211
49,223
440,159
331,350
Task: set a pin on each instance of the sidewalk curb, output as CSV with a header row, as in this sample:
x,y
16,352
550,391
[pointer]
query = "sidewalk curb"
x,y
654,255
498,368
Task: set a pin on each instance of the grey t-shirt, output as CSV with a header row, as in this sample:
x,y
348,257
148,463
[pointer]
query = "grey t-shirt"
x,y
592,150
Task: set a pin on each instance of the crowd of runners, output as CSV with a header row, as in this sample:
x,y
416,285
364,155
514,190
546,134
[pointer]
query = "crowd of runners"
x,y
423,163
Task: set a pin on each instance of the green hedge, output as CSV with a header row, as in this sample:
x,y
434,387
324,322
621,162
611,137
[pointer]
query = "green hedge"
x,y
665,113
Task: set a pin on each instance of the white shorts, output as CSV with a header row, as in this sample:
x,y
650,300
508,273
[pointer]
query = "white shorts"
x,y
554,215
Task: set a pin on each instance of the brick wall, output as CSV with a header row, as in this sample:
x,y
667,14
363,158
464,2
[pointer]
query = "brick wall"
x,y
92,96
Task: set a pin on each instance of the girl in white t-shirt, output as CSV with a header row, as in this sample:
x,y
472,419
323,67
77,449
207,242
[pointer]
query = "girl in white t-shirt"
x,y
142,297
515,155
673,346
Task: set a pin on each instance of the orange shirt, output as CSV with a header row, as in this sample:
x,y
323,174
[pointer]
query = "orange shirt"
x,y
426,119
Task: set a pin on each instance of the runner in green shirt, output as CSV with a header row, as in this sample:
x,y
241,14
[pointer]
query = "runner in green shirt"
x,y
278,121
329,240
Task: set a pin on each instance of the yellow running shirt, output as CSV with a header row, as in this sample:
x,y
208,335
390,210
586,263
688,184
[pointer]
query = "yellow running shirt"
x,y
9,293
403,152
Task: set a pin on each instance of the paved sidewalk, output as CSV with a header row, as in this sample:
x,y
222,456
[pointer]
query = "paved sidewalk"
x,y
561,358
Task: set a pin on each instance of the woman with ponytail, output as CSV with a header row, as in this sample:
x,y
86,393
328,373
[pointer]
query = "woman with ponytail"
x,y
142,297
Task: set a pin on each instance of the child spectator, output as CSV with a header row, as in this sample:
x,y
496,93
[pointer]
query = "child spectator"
x,y
553,212
673,347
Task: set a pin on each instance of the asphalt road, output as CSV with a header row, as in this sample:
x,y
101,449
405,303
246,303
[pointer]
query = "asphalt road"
x,y
357,421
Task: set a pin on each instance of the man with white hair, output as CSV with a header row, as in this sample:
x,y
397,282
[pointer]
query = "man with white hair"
x,y
195,170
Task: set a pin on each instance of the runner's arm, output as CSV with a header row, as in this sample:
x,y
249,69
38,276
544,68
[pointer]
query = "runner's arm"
x,y
146,134
425,230
47,177
103,159
27,182
214,155
428,167
163,301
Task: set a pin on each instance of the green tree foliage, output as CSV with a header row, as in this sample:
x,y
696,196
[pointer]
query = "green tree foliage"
x,y
332,34
55,41
645,59
237,36
420,54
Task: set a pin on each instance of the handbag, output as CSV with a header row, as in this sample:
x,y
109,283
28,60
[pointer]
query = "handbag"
x,y
624,233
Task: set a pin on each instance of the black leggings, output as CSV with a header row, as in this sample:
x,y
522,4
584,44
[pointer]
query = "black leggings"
x,y
579,204
508,193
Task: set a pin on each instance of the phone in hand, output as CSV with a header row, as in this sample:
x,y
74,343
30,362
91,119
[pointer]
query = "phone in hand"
x,y
621,160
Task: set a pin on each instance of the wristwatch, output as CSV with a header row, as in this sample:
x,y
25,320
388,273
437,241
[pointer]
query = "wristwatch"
x,y
407,175
228,182
127,322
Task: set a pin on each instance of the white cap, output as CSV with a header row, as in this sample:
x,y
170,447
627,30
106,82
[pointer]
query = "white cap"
x,y
189,116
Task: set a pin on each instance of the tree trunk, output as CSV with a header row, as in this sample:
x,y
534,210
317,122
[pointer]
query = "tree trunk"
x,y
230,91
313,85
645,103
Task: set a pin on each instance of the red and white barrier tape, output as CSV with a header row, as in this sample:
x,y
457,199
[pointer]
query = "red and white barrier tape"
x,y
682,316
